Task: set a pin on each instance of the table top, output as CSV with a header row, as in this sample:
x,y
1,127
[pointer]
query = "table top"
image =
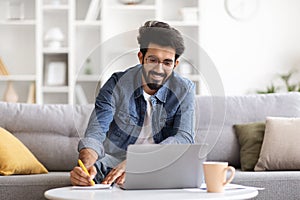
x,y
116,193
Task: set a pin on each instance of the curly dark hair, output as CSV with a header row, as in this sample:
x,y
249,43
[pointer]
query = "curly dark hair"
x,y
162,34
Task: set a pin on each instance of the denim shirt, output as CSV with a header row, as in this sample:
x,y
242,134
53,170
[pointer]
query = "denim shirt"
x,y
120,108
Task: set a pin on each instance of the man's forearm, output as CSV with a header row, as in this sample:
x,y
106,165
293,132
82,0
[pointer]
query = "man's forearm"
x,y
93,139
88,157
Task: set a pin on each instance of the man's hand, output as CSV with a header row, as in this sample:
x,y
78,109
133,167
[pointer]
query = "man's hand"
x,y
116,175
77,175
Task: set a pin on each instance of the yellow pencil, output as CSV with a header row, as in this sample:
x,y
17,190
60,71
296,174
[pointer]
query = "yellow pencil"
x,y
85,170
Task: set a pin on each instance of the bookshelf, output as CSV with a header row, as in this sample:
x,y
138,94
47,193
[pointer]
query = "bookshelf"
x,y
118,26
107,38
17,52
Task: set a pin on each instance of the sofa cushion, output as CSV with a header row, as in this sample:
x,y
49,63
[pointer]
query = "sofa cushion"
x,y
51,131
215,117
17,187
15,158
277,184
250,137
280,149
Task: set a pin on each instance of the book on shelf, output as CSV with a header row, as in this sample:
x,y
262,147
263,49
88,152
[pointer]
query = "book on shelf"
x,y
3,70
80,95
93,10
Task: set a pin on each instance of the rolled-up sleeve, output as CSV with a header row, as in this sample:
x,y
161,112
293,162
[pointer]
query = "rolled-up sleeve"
x,y
100,119
93,138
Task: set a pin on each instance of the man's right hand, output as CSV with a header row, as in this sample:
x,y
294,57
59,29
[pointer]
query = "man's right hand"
x,y
77,175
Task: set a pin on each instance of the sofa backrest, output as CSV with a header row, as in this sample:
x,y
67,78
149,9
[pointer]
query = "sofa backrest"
x,y
51,132
215,117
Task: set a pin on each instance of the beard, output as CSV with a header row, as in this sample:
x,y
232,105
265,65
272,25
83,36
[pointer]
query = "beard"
x,y
154,84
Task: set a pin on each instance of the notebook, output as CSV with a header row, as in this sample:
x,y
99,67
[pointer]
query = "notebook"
x,y
155,166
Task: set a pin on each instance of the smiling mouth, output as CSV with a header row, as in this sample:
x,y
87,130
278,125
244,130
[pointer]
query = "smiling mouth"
x,y
157,75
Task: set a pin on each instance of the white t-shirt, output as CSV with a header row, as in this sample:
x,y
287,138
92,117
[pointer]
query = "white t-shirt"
x,y
145,136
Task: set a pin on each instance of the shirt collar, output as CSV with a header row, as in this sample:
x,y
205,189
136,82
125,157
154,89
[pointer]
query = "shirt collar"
x,y
162,93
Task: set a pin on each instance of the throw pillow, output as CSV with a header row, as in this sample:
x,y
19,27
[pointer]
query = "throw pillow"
x,y
280,149
15,158
250,137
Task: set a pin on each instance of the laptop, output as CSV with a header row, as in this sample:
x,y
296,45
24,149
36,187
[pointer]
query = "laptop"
x,y
172,166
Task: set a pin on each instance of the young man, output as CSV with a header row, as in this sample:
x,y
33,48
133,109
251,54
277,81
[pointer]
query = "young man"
x,y
148,103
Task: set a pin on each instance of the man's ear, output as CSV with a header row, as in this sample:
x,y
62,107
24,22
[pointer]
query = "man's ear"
x,y
140,56
176,63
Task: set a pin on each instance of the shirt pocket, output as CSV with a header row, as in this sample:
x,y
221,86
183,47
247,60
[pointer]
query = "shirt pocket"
x,y
125,118
117,137
126,123
166,121
166,127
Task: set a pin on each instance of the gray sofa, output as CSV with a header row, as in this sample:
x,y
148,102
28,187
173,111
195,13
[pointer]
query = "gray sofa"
x,y
52,132
214,125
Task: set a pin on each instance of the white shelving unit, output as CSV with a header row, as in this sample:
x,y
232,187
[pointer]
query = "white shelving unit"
x,y
17,50
109,42
53,15
120,29
18,78
19,23
88,35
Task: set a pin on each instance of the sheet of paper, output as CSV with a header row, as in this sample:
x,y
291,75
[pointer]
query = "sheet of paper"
x,y
94,187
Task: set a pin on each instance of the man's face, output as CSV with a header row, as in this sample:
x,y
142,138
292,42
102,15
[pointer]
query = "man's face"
x,y
158,64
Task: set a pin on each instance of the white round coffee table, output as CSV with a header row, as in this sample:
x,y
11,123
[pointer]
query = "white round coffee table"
x,y
67,193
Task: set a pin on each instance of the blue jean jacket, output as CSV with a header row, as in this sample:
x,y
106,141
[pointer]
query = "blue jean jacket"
x,y
120,108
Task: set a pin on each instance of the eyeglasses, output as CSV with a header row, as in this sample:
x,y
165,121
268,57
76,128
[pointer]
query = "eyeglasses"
x,y
154,61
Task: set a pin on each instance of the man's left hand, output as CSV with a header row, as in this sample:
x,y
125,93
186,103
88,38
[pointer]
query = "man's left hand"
x,y
116,175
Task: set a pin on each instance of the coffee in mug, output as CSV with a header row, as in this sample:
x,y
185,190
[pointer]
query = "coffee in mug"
x,y
215,175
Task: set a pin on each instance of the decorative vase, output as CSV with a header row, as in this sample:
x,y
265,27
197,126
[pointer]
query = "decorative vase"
x,y
15,10
54,37
88,68
10,95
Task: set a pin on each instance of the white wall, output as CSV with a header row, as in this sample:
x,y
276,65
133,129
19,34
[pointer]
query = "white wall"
x,y
250,54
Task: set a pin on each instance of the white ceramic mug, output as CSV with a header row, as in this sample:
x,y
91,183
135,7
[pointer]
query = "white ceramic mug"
x,y
215,175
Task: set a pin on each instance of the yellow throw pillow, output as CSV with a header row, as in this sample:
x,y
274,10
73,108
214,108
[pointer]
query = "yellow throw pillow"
x,y
15,158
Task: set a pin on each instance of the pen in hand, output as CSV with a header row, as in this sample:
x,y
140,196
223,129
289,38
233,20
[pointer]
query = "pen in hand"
x,y
85,170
